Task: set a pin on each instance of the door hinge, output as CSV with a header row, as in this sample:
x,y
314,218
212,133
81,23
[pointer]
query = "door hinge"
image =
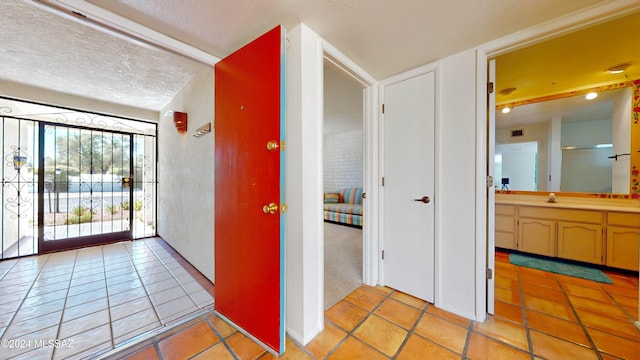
x,y
490,88
383,181
383,108
489,274
489,181
382,254
364,195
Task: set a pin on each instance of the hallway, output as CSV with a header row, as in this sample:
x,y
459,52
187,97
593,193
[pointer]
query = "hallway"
x,y
538,315
131,294
89,300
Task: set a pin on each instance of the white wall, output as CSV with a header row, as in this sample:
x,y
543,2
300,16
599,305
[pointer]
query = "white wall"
x,y
586,133
343,161
304,244
456,186
586,170
186,176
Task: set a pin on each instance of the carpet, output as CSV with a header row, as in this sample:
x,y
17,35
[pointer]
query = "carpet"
x,y
342,262
560,267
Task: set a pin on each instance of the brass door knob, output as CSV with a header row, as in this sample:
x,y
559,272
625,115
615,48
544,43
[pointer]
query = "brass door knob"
x,y
272,145
424,199
270,209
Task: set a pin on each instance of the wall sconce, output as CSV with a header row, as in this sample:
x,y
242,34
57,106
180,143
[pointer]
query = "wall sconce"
x,y
180,120
204,129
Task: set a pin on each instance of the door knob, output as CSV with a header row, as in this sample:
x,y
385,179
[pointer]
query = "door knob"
x,y
425,199
270,209
272,145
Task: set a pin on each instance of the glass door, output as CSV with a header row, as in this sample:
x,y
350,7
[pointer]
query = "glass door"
x,y
86,184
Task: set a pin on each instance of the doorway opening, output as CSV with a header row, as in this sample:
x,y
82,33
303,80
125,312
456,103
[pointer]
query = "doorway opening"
x,y
517,166
343,184
73,179
574,133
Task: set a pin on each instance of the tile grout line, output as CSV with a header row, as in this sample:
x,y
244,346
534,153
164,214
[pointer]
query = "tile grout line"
x,y
471,323
523,308
350,333
135,268
73,269
222,339
526,327
174,276
9,270
620,307
578,320
23,299
156,345
467,340
106,286
22,303
410,332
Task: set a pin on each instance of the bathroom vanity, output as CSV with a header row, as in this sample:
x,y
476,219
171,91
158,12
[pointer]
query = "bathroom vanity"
x,y
596,231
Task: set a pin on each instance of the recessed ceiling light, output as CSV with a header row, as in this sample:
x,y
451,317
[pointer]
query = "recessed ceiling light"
x,y
618,69
506,110
591,95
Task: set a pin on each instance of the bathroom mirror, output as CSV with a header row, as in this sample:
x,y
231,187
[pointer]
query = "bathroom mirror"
x,y
544,83
567,144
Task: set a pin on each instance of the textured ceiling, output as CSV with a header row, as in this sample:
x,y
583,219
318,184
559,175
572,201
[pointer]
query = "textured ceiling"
x,y
383,37
576,60
45,50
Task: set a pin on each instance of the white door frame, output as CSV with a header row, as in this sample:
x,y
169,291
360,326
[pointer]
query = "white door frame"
x,y
492,49
370,248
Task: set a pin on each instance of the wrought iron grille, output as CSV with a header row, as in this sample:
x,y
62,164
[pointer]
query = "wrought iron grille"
x,y
69,174
18,236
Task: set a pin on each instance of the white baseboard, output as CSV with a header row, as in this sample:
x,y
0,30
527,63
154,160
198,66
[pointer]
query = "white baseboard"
x,y
637,324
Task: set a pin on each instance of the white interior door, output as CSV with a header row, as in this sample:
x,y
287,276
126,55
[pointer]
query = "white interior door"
x,y
409,164
491,190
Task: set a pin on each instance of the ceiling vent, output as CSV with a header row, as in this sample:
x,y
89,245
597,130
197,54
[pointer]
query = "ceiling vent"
x,y
517,133
507,91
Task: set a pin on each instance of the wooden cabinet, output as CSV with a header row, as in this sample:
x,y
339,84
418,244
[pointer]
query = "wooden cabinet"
x,y
573,234
623,239
567,233
580,242
505,226
537,236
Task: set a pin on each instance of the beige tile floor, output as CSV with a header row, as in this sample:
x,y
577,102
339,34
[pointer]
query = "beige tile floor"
x,y
539,315
75,303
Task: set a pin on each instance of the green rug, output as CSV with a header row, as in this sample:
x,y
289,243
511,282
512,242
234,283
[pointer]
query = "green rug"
x,y
559,267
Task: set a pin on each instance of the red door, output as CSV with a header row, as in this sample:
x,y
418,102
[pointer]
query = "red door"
x,y
249,183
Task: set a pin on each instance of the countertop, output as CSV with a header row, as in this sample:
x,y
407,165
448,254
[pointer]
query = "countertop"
x,y
631,206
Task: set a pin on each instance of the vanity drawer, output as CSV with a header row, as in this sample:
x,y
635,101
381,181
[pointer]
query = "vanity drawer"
x,y
505,209
583,216
623,219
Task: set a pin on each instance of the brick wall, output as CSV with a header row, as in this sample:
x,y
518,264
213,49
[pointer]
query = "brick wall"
x,y
343,160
